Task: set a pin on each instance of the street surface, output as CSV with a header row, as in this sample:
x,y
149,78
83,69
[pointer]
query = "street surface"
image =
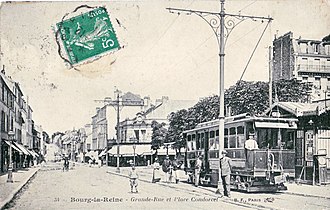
x,y
101,188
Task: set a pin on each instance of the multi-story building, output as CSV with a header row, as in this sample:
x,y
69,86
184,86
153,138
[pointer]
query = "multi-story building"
x,y
303,59
6,124
139,128
104,122
136,133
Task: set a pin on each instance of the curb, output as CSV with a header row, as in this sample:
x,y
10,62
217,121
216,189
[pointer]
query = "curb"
x,y
17,190
307,195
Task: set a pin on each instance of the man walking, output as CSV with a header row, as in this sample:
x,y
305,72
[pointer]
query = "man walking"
x,y
225,170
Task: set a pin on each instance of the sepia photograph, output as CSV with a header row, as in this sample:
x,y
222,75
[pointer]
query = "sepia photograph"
x,y
165,104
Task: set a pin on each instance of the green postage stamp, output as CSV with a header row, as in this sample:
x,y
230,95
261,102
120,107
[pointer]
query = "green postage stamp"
x,y
87,35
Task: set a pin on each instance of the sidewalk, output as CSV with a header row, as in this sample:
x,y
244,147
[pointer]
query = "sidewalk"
x,y
9,190
293,188
308,190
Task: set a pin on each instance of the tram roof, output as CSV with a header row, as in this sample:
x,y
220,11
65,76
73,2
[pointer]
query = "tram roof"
x,y
240,118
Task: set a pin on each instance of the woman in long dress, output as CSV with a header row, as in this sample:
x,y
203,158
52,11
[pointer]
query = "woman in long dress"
x,y
156,173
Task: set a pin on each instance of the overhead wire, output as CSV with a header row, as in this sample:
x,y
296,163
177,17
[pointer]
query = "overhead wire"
x,y
247,6
163,34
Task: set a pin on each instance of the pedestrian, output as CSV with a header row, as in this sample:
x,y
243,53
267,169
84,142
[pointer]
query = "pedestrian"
x,y
133,179
198,169
166,168
66,164
155,172
94,161
176,166
225,170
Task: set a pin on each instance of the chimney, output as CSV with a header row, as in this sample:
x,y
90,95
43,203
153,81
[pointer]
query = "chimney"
x,y
165,99
3,69
146,101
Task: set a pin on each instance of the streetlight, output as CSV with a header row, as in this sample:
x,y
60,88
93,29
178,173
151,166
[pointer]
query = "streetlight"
x,y
222,24
11,135
134,147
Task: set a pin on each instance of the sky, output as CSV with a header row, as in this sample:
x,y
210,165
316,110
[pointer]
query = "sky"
x,y
162,54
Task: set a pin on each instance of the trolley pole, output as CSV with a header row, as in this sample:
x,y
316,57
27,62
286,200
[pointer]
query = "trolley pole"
x,y
118,104
117,130
222,25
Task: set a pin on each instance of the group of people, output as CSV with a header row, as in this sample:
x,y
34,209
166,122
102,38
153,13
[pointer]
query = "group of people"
x,y
93,161
168,167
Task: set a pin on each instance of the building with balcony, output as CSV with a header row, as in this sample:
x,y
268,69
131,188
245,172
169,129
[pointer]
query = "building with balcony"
x,y
104,122
303,59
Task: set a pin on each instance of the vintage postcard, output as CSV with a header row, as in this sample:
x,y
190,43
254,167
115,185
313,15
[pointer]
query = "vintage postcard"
x,y
165,104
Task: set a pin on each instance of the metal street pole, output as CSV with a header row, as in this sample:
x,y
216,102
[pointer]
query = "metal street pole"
x,y
222,31
118,104
134,147
221,95
11,136
117,131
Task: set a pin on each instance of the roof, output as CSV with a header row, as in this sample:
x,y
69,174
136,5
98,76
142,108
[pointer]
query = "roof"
x,y
166,107
301,109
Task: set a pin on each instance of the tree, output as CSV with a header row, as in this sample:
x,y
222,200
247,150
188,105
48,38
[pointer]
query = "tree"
x,y
326,38
159,133
244,97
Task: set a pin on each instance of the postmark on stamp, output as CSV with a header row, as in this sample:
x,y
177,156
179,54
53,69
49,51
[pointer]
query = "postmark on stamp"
x,y
87,35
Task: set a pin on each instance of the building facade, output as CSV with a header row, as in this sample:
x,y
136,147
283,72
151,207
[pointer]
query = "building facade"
x,y
104,122
312,142
303,59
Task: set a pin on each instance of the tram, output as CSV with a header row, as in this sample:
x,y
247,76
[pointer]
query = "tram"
x,y
260,170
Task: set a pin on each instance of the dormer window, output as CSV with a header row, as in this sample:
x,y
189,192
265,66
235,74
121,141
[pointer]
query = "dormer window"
x,y
316,48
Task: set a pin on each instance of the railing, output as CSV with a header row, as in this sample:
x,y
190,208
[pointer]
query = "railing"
x,y
315,68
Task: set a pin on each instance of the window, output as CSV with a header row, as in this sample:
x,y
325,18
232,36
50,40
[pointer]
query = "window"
x,y
232,131
316,48
212,134
240,130
143,132
226,142
198,145
232,141
3,121
303,47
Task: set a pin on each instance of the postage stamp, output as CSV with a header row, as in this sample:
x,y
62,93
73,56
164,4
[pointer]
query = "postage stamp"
x,y
87,35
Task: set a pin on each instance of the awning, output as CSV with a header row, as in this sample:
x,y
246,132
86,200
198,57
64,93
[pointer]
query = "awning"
x,y
128,150
13,146
103,153
275,125
22,148
34,154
